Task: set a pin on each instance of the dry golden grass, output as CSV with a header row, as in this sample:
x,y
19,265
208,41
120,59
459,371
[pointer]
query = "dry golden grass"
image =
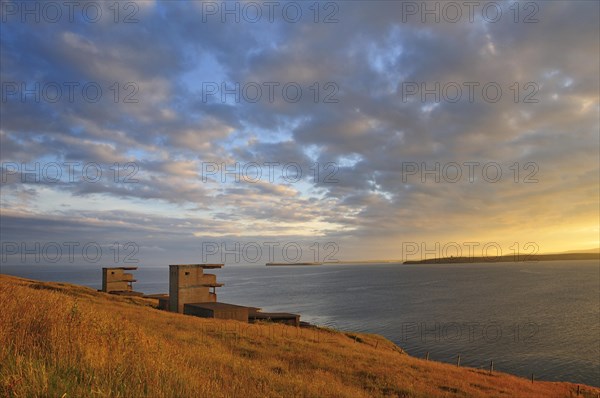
x,y
60,340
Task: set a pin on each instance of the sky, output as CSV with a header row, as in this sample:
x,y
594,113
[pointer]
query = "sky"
x,y
240,132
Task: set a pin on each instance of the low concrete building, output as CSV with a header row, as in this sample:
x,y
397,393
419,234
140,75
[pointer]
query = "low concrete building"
x,y
116,280
217,310
189,284
276,317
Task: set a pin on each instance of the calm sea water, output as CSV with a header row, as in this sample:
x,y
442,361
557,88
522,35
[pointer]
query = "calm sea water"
x,y
541,318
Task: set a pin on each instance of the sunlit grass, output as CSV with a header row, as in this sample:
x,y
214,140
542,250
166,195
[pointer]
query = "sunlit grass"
x,y
62,340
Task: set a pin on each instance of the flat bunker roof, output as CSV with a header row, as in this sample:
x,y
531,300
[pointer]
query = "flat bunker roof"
x,y
204,266
217,306
273,315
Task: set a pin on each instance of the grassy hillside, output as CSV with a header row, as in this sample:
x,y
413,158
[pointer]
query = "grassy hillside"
x,y
62,340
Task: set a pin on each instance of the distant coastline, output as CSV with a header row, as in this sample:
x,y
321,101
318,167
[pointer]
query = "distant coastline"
x,y
512,258
509,259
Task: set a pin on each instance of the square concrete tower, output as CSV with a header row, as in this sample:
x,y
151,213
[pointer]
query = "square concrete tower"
x,y
188,284
117,280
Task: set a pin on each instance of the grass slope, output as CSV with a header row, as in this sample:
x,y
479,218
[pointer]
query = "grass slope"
x,y
61,340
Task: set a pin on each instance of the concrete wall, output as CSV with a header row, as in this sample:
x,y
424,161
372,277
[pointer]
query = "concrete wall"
x,y
163,303
201,312
237,313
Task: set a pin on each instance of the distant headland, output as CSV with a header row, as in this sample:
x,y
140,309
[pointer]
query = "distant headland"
x,y
509,258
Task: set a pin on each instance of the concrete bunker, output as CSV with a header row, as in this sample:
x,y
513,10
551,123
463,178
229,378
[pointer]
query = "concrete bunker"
x,y
116,280
192,292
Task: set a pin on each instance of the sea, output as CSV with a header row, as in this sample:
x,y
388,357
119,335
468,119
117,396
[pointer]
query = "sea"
x,y
540,318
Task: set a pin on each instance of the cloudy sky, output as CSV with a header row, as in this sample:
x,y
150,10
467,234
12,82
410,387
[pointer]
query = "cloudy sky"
x,y
356,128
